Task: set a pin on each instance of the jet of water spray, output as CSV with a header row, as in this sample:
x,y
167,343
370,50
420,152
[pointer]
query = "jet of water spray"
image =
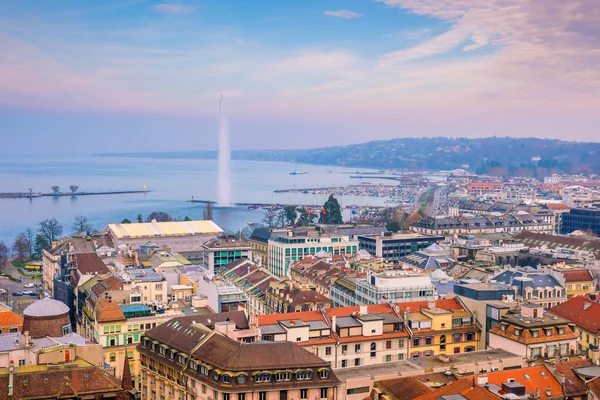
x,y
224,191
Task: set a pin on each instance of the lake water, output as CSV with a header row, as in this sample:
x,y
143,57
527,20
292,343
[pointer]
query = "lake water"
x,y
171,182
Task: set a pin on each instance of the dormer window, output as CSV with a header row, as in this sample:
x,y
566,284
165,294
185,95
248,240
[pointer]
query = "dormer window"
x,y
262,377
162,351
203,370
172,354
193,365
153,346
216,376
181,359
561,330
226,379
548,332
323,374
241,379
303,375
283,376
518,331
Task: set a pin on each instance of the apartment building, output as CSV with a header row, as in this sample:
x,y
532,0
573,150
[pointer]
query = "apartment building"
x,y
533,333
440,327
183,359
343,336
391,246
223,250
584,313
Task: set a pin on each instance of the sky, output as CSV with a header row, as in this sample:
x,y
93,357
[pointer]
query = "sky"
x,y
134,75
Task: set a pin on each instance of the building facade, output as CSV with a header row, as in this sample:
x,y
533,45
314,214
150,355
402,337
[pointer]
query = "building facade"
x,y
392,246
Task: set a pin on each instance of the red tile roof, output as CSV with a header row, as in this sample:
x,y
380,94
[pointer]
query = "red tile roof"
x,y
574,385
108,311
347,311
537,378
305,316
581,311
9,319
464,387
578,275
445,304
90,264
594,386
558,206
405,388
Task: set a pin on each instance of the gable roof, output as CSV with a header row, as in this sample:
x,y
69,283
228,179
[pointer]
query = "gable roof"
x,y
90,264
578,275
108,311
404,388
532,378
9,319
581,311
574,385
464,387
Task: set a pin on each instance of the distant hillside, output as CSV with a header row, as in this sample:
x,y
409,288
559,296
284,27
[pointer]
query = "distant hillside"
x,y
493,155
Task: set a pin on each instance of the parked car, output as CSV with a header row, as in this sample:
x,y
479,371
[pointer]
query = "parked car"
x,y
28,292
17,294
2,291
30,285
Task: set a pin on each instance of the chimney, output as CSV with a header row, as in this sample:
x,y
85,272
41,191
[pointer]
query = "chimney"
x,y
26,334
364,310
548,391
333,323
406,312
431,304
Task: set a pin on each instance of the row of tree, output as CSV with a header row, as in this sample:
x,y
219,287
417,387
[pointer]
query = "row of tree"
x,y
30,244
56,189
161,216
298,216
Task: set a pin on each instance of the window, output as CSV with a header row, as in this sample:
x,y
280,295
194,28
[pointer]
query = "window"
x,y
323,374
241,379
518,331
304,393
216,376
373,350
416,341
535,333
203,388
66,330
130,340
344,348
388,358
401,343
112,357
400,356
225,396
561,330
158,286
262,395
303,375
429,340
130,355
113,342
162,350
357,348
344,363
388,344
283,395
470,336
21,363
328,350
226,379
181,359
324,392
356,362
283,376
262,378
358,390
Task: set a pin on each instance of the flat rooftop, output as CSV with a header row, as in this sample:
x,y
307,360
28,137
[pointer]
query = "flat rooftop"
x,y
164,229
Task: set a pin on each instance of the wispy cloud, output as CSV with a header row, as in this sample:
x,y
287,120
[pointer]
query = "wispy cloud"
x,y
166,8
346,14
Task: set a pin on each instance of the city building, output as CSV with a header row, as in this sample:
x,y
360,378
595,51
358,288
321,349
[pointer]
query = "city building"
x,y
581,219
316,274
253,280
184,359
585,243
176,236
10,321
221,294
558,209
519,192
544,287
284,250
535,334
392,246
584,312
67,380
429,259
342,291
394,286
344,336
282,297
145,283
486,190
579,282
448,226
259,241
46,317
223,250
440,327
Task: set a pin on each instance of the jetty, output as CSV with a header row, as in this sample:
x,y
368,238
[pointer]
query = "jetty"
x,y
32,195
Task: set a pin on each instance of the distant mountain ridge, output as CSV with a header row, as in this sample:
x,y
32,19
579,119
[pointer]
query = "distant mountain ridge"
x,y
500,156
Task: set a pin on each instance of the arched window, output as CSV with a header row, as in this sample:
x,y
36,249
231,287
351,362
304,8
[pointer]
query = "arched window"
x,y
112,357
373,349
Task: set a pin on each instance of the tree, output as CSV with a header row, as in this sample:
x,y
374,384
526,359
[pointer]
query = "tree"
x,y
3,255
50,229
280,219
187,218
159,216
55,189
331,212
40,244
270,218
73,188
290,214
304,219
21,247
140,219
31,238
413,219
126,221
81,224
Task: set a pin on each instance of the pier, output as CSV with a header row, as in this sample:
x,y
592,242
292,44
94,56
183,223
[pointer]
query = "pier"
x,y
32,195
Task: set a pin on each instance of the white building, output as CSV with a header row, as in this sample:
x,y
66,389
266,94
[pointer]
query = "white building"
x,y
394,286
286,249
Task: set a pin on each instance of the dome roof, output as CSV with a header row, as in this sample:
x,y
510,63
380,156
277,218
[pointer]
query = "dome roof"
x,y
46,308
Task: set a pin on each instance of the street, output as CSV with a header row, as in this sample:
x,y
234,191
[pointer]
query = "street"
x,y
17,302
